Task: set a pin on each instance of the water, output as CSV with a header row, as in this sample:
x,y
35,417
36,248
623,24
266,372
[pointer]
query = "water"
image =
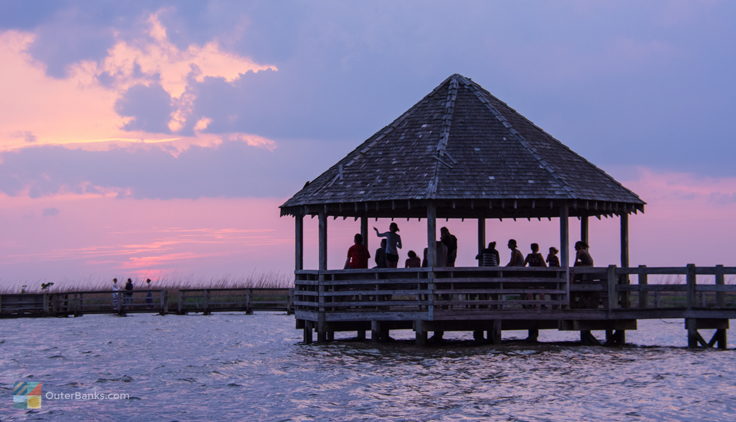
x,y
238,367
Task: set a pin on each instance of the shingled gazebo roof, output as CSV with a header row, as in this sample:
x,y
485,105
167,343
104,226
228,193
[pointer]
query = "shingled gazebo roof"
x,y
469,154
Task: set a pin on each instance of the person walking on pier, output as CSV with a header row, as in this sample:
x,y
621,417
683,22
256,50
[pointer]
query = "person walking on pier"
x,y
489,256
393,244
129,292
552,259
149,294
450,241
517,259
535,259
115,295
357,254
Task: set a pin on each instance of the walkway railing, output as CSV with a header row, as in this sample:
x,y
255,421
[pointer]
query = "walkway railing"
x,y
142,301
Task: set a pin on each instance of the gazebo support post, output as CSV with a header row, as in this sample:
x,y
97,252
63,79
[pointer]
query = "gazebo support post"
x,y
624,279
364,230
624,240
431,256
584,229
565,248
299,243
564,237
481,234
321,329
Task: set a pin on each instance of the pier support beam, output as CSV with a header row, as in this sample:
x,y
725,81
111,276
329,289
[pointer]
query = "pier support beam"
x,y
420,333
615,337
494,334
378,332
587,338
695,340
308,327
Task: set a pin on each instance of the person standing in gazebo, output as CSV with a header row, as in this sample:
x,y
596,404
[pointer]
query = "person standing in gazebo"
x,y
393,244
450,241
357,254
517,259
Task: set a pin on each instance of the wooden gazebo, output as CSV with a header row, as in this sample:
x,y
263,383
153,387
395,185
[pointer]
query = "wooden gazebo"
x,y
458,153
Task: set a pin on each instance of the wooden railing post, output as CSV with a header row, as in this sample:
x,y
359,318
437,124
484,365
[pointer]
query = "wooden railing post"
x,y
691,286
720,282
612,282
643,293
179,305
164,299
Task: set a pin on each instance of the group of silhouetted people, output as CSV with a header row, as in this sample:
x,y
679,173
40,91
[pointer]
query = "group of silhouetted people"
x,y
128,293
387,255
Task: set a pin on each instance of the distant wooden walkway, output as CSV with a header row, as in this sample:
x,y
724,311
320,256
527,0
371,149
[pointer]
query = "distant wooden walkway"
x,y
487,301
180,301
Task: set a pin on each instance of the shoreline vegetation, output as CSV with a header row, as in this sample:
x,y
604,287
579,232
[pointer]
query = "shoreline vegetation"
x,y
264,280
253,280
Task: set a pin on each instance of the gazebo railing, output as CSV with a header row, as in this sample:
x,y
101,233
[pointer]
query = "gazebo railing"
x,y
447,293
428,294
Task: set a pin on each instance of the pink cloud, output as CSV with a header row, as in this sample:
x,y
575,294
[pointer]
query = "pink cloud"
x,y
78,111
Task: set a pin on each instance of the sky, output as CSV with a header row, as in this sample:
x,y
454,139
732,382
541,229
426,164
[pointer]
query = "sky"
x,y
158,138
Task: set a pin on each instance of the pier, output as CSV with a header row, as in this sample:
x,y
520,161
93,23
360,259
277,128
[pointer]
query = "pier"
x,y
161,301
487,301
458,154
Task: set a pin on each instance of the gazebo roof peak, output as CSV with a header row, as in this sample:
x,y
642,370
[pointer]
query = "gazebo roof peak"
x,y
461,143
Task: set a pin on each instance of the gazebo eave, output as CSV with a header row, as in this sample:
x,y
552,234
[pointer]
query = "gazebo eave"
x,y
466,208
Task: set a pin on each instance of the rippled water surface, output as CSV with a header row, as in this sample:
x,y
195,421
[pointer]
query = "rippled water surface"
x,y
252,367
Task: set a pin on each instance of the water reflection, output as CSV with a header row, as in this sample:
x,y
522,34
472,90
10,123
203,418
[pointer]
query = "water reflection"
x,y
237,367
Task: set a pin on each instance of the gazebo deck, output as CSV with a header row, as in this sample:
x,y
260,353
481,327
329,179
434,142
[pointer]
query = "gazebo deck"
x,y
492,299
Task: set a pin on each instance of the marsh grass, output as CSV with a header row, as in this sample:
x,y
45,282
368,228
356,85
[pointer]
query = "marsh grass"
x,y
252,280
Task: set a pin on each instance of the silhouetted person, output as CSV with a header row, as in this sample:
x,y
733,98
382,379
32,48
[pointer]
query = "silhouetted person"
x,y
583,259
381,255
552,259
582,256
488,257
129,292
517,259
413,261
440,255
115,294
45,286
357,254
450,241
149,294
535,259
393,244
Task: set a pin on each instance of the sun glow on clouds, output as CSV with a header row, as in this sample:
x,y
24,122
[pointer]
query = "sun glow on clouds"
x,y
78,110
